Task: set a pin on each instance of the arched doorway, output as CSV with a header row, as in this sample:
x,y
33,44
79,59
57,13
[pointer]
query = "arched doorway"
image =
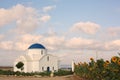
x,y
48,69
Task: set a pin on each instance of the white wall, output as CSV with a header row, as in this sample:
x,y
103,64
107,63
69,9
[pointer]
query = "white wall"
x,y
35,54
21,59
34,61
29,66
53,62
35,66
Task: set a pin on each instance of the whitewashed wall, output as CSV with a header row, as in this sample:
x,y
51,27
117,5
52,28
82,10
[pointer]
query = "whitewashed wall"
x,y
34,61
20,59
35,54
53,62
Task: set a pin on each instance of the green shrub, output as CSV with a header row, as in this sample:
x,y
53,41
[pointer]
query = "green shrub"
x,y
45,73
63,72
2,72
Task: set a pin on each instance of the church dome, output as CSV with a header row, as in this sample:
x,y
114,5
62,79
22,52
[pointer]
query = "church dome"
x,y
36,46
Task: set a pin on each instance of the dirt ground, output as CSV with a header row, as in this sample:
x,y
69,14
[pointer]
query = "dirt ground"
x,y
70,77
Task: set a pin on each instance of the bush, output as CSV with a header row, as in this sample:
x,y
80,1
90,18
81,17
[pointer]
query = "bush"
x,y
63,72
2,72
45,73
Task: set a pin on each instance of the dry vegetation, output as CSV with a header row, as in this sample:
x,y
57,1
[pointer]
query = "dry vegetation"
x,y
70,77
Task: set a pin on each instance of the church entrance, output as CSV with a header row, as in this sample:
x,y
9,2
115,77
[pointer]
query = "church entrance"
x,y
48,69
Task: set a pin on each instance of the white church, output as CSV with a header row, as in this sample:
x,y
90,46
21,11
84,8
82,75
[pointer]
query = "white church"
x,y
36,59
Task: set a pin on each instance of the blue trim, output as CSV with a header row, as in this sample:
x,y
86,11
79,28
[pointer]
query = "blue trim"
x,y
36,46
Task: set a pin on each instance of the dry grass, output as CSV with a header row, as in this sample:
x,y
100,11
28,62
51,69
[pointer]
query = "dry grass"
x,y
38,78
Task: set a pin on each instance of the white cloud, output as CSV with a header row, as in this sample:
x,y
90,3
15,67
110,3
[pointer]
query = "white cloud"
x,y
20,43
79,43
21,46
56,42
24,41
6,45
45,18
48,8
29,38
113,45
28,24
15,13
116,42
53,42
114,31
86,27
1,36
51,32
26,19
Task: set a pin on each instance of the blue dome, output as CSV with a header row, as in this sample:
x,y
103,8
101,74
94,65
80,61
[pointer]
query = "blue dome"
x,y
36,46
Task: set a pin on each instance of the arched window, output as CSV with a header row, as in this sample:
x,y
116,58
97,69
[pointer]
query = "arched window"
x,y
42,68
47,58
41,52
53,68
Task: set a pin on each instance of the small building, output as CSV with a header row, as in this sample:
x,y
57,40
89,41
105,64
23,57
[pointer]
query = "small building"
x,y
37,60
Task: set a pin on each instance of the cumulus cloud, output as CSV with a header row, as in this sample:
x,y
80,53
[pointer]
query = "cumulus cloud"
x,y
20,43
12,14
78,43
26,25
53,42
48,8
112,45
1,36
30,37
27,19
114,31
86,27
21,46
6,45
45,18
24,41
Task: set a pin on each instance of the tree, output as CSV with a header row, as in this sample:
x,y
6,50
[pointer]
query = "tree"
x,y
20,65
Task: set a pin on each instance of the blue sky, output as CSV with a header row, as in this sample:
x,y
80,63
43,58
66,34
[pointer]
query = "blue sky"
x,y
65,27
102,12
